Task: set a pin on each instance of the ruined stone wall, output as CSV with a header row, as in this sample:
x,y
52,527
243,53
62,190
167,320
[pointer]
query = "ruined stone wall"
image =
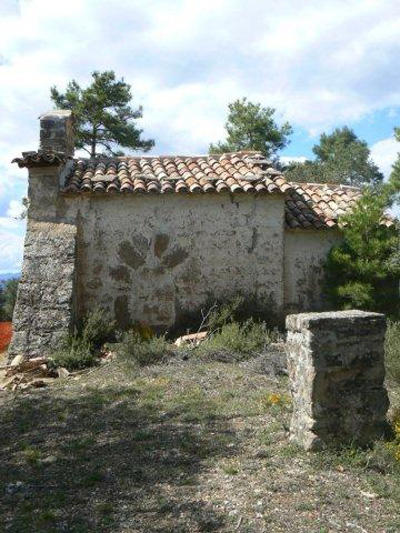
x,y
305,254
336,370
157,259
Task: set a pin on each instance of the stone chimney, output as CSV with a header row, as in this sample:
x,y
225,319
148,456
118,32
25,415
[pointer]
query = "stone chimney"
x,y
56,132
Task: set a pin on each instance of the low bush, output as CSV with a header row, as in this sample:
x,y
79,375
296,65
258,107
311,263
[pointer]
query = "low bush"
x,y
81,349
144,350
97,328
235,341
392,351
74,354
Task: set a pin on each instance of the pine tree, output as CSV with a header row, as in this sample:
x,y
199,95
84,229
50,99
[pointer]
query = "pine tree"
x,y
341,157
252,127
104,119
363,270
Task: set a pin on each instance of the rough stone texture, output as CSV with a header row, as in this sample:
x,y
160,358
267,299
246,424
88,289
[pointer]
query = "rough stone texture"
x,y
56,131
336,371
305,254
44,311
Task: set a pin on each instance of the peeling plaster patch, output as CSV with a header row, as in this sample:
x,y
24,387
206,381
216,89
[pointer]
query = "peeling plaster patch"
x,y
120,273
160,244
128,254
175,257
121,310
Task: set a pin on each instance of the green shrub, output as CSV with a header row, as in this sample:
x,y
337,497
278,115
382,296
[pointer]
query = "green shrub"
x,y
144,351
363,270
8,297
97,328
74,354
81,349
392,351
235,341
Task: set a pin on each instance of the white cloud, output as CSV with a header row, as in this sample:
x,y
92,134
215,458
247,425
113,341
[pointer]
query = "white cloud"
x,y
385,153
15,209
11,247
286,159
321,64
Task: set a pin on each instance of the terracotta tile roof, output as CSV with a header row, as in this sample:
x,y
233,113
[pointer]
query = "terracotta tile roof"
x,y
236,172
318,205
40,159
308,205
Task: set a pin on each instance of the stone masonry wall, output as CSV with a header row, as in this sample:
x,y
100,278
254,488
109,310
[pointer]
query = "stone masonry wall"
x,y
336,371
43,314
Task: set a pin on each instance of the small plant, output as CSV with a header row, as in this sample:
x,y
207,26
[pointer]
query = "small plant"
x,y
144,351
74,354
80,350
392,351
235,341
97,328
394,445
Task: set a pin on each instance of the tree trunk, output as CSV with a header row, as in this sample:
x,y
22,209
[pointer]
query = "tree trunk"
x,y
93,143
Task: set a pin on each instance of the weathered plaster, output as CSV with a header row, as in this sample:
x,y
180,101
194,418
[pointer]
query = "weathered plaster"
x,y
155,258
305,254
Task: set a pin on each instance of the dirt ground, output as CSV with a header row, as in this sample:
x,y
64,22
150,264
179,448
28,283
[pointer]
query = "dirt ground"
x,y
184,447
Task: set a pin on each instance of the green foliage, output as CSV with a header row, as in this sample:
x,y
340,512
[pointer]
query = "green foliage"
x,y
252,127
392,351
97,329
8,297
81,349
362,271
144,350
340,158
103,116
235,341
394,181
74,354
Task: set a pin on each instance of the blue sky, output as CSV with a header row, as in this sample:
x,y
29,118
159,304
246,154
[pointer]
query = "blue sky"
x,y
320,64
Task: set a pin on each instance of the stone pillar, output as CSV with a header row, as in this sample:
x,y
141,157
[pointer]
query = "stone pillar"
x,y
44,311
336,371
56,132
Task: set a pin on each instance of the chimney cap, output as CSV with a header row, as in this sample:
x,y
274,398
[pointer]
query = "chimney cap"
x,y
56,113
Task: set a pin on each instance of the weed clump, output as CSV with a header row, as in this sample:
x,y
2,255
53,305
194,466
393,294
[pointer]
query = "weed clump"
x,y
234,341
80,350
144,350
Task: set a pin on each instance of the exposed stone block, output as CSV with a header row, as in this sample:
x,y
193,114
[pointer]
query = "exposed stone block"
x,y
44,312
336,369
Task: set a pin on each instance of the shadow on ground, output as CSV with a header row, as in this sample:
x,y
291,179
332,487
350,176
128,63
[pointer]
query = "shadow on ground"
x,y
105,460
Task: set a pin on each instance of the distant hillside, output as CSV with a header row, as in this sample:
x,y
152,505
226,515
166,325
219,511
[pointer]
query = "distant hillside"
x,y
9,275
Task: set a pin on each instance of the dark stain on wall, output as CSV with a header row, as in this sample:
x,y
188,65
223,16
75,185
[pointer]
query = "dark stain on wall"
x,y
97,268
254,239
129,255
121,310
120,273
175,257
160,244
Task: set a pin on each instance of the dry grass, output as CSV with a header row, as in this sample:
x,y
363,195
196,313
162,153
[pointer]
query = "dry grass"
x,y
181,447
